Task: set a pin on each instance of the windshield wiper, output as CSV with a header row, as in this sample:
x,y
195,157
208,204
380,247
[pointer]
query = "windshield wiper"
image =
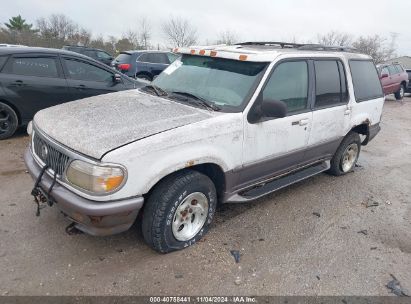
x,y
159,91
204,102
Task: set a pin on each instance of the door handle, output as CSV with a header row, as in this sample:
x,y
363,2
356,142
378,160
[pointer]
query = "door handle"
x,y
81,87
301,122
347,111
18,83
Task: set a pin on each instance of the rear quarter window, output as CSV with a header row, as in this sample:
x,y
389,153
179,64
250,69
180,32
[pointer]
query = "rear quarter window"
x,y
365,79
123,58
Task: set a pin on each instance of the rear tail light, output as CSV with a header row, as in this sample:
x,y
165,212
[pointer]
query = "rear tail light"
x,y
124,66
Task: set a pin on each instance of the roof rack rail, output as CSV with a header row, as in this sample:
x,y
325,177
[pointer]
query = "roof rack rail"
x,y
321,47
301,46
268,43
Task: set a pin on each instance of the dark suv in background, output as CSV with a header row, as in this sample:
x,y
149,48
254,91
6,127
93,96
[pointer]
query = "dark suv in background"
x,y
96,54
408,90
143,64
32,79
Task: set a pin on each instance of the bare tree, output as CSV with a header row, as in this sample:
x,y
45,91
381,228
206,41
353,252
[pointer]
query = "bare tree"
x,y
179,32
375,46
227,37
335,39
144,33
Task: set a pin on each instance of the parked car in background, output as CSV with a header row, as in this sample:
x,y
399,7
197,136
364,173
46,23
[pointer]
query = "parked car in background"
x,y
394,79
408,89
32,79
96,54
143,64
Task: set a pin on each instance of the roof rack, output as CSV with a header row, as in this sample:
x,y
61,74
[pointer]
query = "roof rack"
x,y
267,43
300,46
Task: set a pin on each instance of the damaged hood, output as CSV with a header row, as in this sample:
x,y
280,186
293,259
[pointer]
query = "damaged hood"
x,y
93,126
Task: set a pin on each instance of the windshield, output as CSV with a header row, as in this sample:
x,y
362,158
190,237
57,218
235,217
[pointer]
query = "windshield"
x,y
224,82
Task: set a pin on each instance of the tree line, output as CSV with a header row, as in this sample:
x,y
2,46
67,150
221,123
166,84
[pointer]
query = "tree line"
x,y
58,30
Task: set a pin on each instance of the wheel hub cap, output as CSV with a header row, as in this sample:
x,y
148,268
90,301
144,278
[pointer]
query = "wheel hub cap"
x,y
190,216
349,157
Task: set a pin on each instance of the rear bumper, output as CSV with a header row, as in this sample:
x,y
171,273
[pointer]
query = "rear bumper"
x,y
92,217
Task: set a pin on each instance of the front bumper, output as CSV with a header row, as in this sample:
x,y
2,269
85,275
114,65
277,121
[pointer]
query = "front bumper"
x,y
91,217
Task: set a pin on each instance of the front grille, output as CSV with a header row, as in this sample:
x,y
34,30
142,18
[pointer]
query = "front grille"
x,y
55,159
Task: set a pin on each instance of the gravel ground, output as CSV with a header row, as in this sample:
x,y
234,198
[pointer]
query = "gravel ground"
x,y
317,237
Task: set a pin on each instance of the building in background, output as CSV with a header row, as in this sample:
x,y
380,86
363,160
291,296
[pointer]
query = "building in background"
x,y
405,61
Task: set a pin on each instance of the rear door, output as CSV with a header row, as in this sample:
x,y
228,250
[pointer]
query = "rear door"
x,y
331,110
395,79
33,82
155,62
86,79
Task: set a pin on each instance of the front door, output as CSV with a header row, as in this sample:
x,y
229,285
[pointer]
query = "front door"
x,y
85,79
275,145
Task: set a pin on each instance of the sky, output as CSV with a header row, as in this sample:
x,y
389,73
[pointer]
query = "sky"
x,y
287,20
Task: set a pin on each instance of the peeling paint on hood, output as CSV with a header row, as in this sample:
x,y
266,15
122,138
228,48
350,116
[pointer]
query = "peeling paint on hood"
x,y
96,125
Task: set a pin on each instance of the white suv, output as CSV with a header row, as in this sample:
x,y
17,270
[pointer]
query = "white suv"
x,y
221,124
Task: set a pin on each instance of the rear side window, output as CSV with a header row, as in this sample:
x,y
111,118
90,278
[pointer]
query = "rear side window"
x,y
289,83
154,58
3,60
90,53
330,82
365,79
83,71
103,55
37,66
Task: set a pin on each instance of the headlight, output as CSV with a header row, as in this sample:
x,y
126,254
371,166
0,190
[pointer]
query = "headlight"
x,y
95,178
30,128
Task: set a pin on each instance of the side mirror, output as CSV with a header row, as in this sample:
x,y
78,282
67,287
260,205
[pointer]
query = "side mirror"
x,y
383,76
117,78
268,108
273,108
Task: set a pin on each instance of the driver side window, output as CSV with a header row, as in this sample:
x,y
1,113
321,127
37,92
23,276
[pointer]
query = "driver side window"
x,y
83,71
289,83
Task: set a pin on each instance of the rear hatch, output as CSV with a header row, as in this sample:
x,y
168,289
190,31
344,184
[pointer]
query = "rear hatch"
x,y
122,62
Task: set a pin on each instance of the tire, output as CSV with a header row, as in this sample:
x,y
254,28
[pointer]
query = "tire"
x,y
143,77
399,95
346,156
8,121
179,211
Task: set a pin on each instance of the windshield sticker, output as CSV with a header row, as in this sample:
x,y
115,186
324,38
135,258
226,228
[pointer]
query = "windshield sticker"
x,y
172,67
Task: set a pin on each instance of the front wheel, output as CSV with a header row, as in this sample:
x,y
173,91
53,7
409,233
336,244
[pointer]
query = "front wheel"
x,y
399,95
346,155
8,121
179,211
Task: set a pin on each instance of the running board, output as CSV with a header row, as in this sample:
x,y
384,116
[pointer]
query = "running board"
x,y
265,188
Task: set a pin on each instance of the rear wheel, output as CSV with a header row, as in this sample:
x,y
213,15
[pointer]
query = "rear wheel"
x,y
8,121
400,93
179,211
346,155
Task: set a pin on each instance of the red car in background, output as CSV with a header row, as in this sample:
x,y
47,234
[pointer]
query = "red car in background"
x,y
394,79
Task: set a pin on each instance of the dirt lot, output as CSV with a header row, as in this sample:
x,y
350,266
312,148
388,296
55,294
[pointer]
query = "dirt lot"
x,y
314,238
